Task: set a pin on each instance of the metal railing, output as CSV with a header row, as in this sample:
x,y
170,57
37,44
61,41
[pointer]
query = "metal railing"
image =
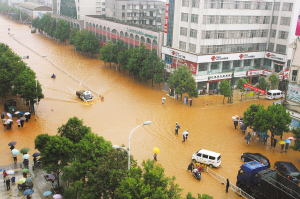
x,y
63,70
232,187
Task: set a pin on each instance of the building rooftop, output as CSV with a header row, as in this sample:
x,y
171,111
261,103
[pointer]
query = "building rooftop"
x,y
36,7
144,26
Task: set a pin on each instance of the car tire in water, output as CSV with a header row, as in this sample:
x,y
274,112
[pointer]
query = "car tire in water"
x,y
211,166
194,160
243,159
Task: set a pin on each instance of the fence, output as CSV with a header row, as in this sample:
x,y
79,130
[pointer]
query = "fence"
x,y
232,187
63,70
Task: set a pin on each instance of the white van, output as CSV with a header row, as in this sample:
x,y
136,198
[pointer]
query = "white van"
x,y
210,158
274,94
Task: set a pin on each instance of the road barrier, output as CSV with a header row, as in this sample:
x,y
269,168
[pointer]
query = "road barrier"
x,y
63,70
232,187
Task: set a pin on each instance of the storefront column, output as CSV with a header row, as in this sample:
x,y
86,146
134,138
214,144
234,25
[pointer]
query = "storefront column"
x,y
272,65
252,63
207,87
231,65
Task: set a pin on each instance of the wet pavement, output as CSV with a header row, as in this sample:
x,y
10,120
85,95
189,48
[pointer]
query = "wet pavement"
x,y
128,103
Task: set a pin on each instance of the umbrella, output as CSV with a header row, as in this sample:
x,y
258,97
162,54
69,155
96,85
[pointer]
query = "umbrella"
x,y
235,120
177,126
3,113
10,172
10,120
281,142
18,121
266,135
291,138
12,143
26,113
15,151
47,193
21,113
21,181
28,192
185,132
17,112
25,170
36,154
2,169
51,176
156,150
287,141
9,115
24,150
26,156
57,196
164,98
29,179
6,122
22,118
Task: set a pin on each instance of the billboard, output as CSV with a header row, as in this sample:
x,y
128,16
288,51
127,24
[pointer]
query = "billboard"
x,y
297,33
166,18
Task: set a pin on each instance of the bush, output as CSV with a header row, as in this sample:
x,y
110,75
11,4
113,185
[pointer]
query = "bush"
x,y
69,193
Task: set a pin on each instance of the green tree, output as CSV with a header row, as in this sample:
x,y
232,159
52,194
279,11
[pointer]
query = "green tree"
x,y
57,154
52,28
35,22
262,84
74,130
280,120
136,59
203,196
183,82
63,30
5,80
106,53
79,38
88,154
41,141
261,119
274,81
116,49
249,114
225,89
296,132
91,44
123,58
240,86
73,36
148,182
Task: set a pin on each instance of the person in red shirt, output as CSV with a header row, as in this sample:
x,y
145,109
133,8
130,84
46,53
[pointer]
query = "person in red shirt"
x,y
4,175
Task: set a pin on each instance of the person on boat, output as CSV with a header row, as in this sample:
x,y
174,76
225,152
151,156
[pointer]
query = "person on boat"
x,y
53,76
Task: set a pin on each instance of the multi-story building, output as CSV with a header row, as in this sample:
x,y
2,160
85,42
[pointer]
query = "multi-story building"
x,y
215,37
82,7
148,12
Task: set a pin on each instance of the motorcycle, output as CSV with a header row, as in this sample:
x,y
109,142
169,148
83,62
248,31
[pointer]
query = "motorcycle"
x,y
197,175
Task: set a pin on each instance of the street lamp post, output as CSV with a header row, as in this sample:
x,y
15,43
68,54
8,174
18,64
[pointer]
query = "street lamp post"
x,y
37,98
128,151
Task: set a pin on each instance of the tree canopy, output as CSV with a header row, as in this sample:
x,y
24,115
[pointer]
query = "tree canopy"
x,y
183,82
274,81
225,89
240,86
262,84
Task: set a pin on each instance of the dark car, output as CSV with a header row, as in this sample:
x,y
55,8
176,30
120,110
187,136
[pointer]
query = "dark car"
x,y
247,157
288,170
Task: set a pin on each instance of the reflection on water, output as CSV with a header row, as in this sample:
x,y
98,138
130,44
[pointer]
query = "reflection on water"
x,y
127,104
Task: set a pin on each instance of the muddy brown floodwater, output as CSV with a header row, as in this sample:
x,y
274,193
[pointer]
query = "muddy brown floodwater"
x,y
127,104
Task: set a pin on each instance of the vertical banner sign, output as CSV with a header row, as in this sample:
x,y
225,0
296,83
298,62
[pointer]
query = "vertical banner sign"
x,y
297,33
166,18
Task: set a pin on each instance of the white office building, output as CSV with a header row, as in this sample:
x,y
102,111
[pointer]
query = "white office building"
x,y
213,37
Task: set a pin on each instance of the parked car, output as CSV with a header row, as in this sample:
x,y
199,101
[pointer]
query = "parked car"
x,y
247,157
288,170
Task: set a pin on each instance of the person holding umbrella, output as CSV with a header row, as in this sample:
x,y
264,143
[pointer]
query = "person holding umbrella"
x,y
248,137
176,128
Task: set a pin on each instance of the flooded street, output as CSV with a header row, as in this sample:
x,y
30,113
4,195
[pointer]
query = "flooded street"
x,y
127,104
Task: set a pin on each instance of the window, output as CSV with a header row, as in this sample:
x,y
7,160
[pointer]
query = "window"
x,y
287,7
212,4
273,33
103,9
277,6
185,3
182,45
247,5
214,66
78,8
223,20
103,3
205,156
169,58
294,75
268,6
193,33
280,49
192,48
266,20
283,35
237,5
194,18
257,63
247,62
195,3
184,17
236,63
264,33
123,7
258,5
202,67
212,158
199,154
274,20
285,21
129,14
183,31
123,14
221,34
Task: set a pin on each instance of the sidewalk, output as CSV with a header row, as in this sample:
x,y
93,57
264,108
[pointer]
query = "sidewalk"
x,y
40,185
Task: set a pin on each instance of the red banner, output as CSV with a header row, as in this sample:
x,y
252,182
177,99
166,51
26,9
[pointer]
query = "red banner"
x,y
255,89
166,18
